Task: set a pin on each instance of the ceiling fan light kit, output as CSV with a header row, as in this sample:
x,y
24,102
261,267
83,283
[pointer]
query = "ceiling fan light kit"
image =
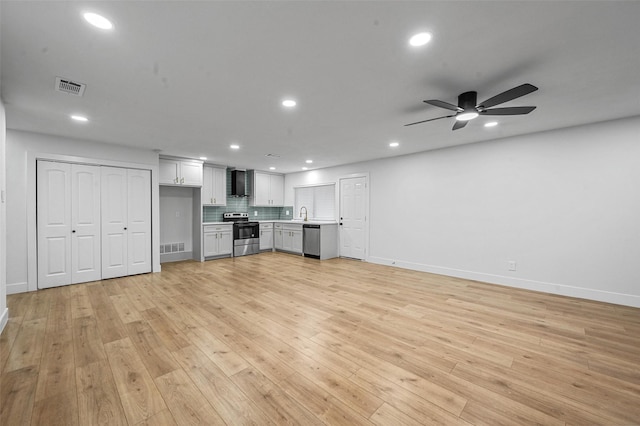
x,y
468,108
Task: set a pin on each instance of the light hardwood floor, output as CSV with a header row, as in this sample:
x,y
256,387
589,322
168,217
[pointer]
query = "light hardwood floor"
x,y
279,339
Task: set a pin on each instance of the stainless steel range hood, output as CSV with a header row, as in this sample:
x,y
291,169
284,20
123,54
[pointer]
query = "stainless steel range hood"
x,y
239,183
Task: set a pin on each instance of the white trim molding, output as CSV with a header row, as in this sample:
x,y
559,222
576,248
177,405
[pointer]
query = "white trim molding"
x,y
4,318
525,284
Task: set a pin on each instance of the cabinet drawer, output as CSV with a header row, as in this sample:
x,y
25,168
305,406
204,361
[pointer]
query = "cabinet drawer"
x,y
216,228
292,227
266,226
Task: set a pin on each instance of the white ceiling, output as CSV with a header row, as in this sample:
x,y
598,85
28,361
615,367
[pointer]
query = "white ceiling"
x,y
190,78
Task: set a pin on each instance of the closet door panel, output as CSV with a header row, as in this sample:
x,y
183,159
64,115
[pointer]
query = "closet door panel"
x,y
53,197
114,222
85,222
139,221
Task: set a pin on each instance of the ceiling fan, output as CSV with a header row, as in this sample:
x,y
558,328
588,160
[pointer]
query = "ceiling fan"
x,y
468,108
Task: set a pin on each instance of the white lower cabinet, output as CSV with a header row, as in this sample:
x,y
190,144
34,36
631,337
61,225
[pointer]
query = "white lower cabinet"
x,y
217,240
266,236
277,236
288,237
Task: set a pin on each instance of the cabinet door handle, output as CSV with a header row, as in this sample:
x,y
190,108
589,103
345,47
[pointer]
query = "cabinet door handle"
x,y
73,231
125,228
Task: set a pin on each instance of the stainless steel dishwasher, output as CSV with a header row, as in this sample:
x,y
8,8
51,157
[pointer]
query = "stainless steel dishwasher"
x,y
311,241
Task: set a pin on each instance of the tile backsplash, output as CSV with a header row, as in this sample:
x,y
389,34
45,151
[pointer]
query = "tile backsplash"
x,y
241,204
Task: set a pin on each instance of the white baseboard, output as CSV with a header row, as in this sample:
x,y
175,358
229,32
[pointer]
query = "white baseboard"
x,y
14,288
176,257
559,289
3,319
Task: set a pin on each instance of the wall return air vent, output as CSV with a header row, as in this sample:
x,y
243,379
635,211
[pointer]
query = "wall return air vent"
x,y
71,87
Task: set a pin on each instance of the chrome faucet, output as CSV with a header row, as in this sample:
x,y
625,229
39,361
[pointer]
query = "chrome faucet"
x,y
305,213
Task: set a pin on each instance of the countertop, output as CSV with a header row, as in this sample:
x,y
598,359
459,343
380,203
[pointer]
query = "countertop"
x,y
295,222
302,222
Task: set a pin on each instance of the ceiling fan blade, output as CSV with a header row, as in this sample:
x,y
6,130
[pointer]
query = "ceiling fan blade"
x,y
459,125
509,95
508,111
431,119
443,104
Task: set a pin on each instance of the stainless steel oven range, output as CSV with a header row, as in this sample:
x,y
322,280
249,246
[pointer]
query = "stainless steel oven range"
x,y
246,234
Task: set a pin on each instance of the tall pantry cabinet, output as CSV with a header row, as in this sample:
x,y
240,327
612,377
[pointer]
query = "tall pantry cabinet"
x,y
93,222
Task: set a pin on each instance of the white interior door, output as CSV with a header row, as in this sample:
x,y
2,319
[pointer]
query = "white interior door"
x,y
114,222
353,217
139,221
85,224
54,223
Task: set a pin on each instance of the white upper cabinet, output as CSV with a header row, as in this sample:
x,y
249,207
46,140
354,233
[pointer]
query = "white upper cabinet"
x,y
214,186
180,172
268,189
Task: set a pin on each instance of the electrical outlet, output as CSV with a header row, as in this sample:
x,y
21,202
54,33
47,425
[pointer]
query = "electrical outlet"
x,y
511,265
287,212
255,212
177,214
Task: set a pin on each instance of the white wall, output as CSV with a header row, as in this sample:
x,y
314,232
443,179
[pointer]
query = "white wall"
x,y
564,205
4,312
22,150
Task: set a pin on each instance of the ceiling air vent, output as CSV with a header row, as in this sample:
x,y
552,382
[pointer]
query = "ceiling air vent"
x,y
71,87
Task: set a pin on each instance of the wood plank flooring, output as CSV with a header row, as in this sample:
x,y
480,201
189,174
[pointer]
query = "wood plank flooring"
x,y
280,339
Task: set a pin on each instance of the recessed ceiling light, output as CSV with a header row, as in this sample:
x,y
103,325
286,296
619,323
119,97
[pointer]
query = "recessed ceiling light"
x,y
272,168
305,168
309,161
98,21
491,124
420,39
394,144
203,158
79,118
289,103
466,116
234,146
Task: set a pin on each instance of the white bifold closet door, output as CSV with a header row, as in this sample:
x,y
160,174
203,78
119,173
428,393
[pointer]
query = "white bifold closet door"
x,y
68,199
126,222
